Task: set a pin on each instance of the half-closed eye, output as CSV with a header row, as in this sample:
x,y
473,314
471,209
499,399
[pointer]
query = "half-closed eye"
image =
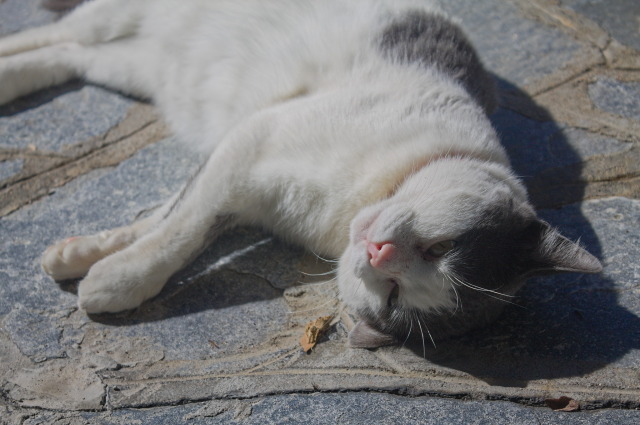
x,y
439,249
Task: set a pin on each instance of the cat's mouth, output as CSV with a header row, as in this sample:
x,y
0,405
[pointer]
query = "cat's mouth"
x,y
394,294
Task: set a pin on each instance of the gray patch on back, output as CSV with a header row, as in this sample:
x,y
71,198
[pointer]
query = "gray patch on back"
x,y
60,5
433,40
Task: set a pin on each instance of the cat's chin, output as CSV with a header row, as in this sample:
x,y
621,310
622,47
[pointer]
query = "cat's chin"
x,y
365,299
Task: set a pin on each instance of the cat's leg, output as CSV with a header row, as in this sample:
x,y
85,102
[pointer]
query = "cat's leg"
x,y
96,42
209,205
126,65
73,257
97,21
31,71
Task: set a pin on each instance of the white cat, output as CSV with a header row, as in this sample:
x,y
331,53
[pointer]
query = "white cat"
x,y
357,129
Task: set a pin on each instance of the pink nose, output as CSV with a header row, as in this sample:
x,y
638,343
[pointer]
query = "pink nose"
x,y
380,252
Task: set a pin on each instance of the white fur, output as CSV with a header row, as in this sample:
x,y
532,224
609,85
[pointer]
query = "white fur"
x,y
438,203
313,128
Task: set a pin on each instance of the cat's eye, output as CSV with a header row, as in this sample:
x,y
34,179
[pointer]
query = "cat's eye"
x,y
439,249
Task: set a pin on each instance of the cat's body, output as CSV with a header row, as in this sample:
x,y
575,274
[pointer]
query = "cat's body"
x,y
356,129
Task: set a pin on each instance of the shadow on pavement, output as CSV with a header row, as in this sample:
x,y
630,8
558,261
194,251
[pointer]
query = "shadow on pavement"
x,y
39,98
566,325
244,265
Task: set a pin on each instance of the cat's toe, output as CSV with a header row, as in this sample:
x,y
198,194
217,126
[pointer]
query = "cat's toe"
x,y
63,260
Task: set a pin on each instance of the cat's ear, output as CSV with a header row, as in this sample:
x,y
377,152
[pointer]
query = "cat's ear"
x,y
553,253
363,335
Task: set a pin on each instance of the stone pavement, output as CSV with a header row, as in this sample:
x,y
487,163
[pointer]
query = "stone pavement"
x,y
219,344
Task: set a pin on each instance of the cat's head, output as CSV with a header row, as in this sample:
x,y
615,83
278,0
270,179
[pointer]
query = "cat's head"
x,y
444,253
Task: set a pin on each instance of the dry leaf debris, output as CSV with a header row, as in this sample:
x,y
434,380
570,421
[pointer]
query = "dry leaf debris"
x,y
313,331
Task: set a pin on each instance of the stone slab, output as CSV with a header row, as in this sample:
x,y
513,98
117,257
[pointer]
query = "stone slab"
x,y
617,97
10,168
17,15
621,18
69,118
346,408
535,50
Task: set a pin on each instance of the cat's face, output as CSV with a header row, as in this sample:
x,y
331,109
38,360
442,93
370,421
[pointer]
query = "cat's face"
x,y
455,236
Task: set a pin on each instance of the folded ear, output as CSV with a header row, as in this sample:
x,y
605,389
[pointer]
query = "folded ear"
x,y
363,335
553,253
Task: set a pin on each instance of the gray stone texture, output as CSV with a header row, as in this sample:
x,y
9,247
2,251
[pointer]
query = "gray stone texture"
x,y
66,119
617,97
9,168
344,409
17,15
621,18
220,343
496,26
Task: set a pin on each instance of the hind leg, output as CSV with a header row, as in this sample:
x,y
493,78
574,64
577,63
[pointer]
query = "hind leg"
x,y
31,71
126,65
74,256
97,41
97,21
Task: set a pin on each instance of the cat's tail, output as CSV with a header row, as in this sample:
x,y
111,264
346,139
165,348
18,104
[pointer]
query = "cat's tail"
x,y
60,5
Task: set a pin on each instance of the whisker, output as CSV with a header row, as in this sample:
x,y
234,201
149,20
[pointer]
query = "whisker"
x,y
458,301
324,259
485,291
424,350
430,337
408,333
318,274
478,288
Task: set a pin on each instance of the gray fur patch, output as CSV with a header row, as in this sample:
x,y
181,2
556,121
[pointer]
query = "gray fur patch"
x,y
496,252
433,40
60,5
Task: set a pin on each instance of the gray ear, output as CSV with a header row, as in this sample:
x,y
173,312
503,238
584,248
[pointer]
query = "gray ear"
x,y
555,253
363,335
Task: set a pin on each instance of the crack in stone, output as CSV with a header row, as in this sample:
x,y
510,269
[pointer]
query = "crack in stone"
x,y
400,391
13,153
38,186
67,160
564,82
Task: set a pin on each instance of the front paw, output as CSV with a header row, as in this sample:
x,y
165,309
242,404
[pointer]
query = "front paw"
x,y
68,259
113,285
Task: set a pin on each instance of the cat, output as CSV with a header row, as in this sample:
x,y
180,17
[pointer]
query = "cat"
x,y
356,129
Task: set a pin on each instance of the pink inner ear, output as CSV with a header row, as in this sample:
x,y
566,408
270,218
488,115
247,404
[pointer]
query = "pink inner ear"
x,y
380,252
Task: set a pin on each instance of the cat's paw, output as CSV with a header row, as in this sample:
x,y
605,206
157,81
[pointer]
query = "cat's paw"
x,y
116,284
70,258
